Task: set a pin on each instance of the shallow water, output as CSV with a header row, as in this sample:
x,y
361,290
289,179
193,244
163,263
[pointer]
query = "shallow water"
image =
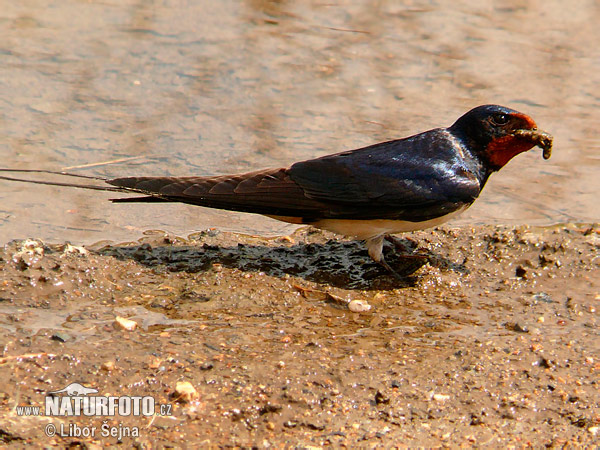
x,y
131,87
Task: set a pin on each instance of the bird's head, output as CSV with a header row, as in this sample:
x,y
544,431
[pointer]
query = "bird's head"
x,y
497,134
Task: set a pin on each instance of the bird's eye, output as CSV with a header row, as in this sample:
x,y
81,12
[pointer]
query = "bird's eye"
x,y
500,119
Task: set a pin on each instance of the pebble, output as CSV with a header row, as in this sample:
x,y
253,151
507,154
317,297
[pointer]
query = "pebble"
x,y
381,399
29,252
520,328
359,306
108,366
74,249
60,337
125,324
441,397
185,392
154,363
31,246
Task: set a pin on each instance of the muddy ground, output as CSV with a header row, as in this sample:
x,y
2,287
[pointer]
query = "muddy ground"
x,y
491,338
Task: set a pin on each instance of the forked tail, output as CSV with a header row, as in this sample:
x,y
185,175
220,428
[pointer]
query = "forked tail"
x,y
74,185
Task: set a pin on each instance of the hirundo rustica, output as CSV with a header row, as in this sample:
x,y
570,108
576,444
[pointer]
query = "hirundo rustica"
x,y
402,185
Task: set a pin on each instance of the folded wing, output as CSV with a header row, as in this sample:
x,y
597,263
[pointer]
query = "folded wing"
x,y
413,179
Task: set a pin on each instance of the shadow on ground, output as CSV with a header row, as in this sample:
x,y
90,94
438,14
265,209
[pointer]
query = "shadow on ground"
x,y
339,263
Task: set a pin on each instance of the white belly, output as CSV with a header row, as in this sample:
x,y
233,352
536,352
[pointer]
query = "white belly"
x,y
367,229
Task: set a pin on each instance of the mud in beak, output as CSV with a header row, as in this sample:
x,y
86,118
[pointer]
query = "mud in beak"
x,y
539,138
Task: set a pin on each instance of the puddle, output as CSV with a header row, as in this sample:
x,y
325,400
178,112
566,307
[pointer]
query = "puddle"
x,y
80,322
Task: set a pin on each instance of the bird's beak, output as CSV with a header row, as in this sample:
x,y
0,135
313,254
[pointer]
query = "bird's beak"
x,y
539,138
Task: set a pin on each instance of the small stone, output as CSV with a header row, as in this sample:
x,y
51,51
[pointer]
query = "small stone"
x,y
185,392
28,253
125,324
359,306
74,249
154,363
206,366
270,408
542,297
108,366
60,337
280,365
520,328
545,363
440,397
521,272
594,430
381,399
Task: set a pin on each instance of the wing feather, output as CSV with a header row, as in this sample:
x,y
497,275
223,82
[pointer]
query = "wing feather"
x,y
417,178
270,192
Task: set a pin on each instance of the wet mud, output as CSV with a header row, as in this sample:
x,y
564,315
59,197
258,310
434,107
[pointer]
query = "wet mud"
x,y
135,88
491,338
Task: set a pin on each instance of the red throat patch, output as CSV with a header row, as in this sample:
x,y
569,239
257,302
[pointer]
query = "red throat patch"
x,y
502,150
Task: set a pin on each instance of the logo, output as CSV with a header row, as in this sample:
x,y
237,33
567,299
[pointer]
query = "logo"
x,y
75,389
78,400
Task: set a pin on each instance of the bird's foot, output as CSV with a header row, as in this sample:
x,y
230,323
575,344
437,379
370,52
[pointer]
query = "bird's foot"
x,y
375,249
404,250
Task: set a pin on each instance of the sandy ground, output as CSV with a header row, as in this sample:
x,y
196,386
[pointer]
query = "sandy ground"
x,y
491,338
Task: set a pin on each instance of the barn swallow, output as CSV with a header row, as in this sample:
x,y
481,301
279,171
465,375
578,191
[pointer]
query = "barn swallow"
x,y
369,193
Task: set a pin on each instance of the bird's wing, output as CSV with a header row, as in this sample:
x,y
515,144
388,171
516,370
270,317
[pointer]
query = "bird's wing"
x,y
417,178
270,192
414,179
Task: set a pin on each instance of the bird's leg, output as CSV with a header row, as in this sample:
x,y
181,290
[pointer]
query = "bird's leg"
x,y
375,249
